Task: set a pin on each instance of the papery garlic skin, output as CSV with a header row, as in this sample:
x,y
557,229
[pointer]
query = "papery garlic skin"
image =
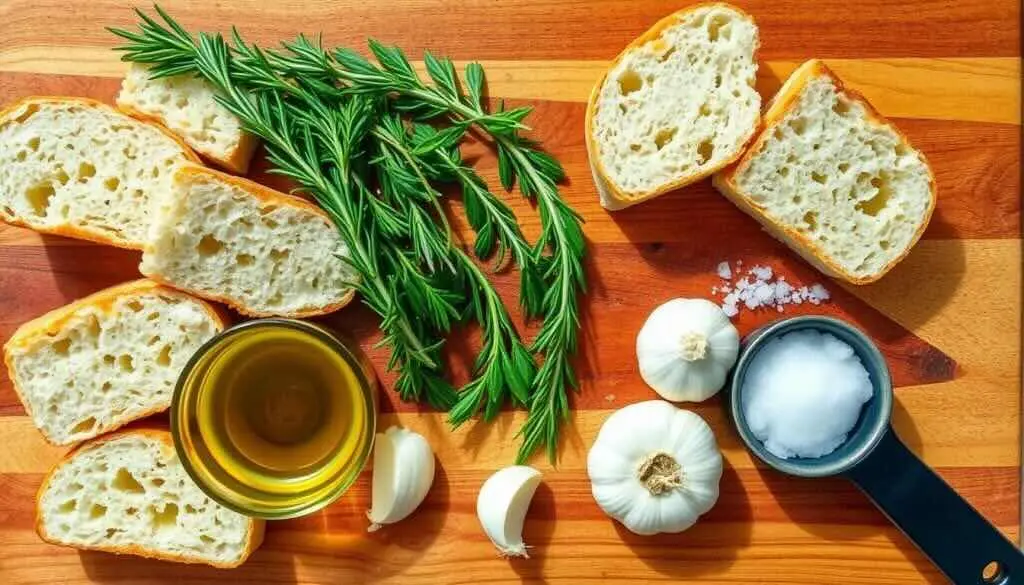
x,y
654,467
685,349
403,471
502,504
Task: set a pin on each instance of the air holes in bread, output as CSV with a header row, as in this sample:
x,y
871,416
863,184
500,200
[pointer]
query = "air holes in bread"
x,y
798,125
124,481
68,507
126,363
244,259
819,178
718,27
811,219
38,197
877,203
112,183
33,143
62,176
134,305
705,150
278,255
841,107
843,167
85,171
109,360
166,518
61,347
209,245
664,136
97,511
85,426
164,357
884,244
629,82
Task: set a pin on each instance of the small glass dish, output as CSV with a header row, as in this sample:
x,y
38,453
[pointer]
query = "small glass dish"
x,y
275,418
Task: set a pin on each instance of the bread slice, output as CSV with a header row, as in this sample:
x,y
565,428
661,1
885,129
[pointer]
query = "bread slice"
x,y
262,252
108,359
79,168
676,105
833,179
128,493
187,106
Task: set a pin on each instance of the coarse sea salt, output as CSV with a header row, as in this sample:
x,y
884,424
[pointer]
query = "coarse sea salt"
x,y
761,287
803,393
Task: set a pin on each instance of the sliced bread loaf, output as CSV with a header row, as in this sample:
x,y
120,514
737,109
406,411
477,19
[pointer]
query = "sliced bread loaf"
x,y
677,105
78,168
108,359
262,252
833,179
187,106
128,493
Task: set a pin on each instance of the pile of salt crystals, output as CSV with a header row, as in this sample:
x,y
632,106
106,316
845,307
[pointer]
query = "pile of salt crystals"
x,y
760,287
803,392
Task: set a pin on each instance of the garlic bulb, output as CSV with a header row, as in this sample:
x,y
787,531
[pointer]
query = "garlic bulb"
x,y
654,467
685,349
403,471
502,504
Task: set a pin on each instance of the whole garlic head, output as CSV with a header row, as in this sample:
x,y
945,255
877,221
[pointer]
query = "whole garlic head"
x,y
654,467
685,349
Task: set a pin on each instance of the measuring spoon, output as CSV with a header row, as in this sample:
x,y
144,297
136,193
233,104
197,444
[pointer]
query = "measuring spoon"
x,y
961,543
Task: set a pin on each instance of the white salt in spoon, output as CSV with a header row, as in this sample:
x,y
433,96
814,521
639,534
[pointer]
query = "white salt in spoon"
x,y
961,543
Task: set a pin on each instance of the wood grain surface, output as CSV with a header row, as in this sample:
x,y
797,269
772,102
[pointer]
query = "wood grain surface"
x,y
948,318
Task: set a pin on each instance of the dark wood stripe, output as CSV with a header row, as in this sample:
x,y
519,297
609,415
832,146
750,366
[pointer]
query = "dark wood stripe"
x,y
36,279
549,29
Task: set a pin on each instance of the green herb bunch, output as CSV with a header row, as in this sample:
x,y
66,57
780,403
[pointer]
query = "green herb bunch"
x,y
373,143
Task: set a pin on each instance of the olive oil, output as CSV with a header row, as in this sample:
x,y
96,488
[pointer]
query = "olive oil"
x,y
275,418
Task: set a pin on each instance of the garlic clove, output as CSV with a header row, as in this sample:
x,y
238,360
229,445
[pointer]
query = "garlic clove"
x,y
403,471
502,504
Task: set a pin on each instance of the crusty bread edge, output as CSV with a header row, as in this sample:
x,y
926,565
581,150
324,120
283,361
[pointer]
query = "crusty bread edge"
x,y
256,526
779,105
265,194
613,198
102,300
68,230
237,162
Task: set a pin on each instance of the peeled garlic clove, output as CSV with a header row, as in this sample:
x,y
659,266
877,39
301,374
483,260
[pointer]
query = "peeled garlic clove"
x,y
502,504
403,471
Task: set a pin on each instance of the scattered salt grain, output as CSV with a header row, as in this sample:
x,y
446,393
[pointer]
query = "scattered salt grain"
x,y
761,287
761,272
803,393
723,270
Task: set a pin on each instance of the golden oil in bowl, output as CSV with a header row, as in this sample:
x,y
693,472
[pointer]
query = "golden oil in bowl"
x,y
275,418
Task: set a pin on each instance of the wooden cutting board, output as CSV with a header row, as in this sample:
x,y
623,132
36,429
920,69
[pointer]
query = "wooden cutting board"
x,y
948,317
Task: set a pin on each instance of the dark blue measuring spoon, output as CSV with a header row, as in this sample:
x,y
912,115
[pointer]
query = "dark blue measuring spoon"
x,y
961,543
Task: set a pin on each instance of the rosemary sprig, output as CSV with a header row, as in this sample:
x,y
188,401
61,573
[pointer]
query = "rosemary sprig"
x,y
561,245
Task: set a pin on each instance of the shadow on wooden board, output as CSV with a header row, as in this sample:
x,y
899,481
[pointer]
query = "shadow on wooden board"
x,y
264,566
710,546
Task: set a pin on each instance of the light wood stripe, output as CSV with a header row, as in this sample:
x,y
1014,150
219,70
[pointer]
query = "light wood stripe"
x,y
979,89
452,549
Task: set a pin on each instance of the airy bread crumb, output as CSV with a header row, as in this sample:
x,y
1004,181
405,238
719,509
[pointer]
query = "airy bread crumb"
x,y
106,360
833,179
262,252
187,106
79,168
678,104
129,493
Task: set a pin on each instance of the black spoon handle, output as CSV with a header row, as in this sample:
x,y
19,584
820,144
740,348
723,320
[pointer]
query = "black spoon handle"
x,y
960,542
